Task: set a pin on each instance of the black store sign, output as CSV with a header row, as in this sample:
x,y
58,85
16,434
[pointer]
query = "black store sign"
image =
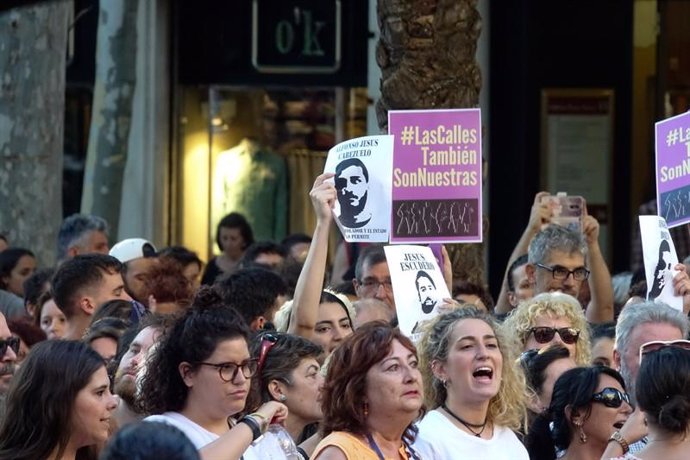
x,y
296,37
272,42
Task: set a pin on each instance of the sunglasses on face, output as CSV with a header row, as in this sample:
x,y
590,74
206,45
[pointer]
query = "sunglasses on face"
x,y
656,345
12,342
611,397
568,335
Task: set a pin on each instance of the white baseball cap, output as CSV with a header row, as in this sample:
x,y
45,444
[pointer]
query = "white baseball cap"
x,y
132,248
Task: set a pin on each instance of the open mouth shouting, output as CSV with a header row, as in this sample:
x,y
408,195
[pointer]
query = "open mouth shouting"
x,y
483,374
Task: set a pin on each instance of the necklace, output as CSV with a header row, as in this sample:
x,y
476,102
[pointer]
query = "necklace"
x,y
411,453
467,425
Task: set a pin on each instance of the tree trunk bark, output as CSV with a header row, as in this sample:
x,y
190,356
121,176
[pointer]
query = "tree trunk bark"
x,y
33,41
112,109
427,57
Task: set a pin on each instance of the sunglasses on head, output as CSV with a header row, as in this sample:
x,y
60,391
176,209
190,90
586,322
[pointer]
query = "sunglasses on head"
x,y
611,397
267,342
12,342
656,345
568,335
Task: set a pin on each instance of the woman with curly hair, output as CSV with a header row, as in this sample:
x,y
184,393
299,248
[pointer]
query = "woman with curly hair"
x,y
59,405
550,318
372,396
198,378
473,385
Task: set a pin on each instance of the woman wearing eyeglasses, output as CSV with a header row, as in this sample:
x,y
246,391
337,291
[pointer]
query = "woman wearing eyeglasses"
x,y
198,377
550,318
589,404
475,388
288,371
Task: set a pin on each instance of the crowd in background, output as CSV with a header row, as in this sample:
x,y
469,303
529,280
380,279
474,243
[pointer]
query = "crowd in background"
x,y
270,352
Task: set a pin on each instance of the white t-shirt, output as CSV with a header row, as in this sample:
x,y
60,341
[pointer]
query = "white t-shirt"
x,y
439,439
267,445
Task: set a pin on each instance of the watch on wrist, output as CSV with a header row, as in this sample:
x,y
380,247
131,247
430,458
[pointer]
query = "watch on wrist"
x,y
618,437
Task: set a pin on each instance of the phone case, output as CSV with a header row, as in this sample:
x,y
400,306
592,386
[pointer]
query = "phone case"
x,y
566,211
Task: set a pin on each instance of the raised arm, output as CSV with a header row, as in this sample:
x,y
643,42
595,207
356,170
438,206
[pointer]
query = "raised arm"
x,y
600,308
305,305
538,217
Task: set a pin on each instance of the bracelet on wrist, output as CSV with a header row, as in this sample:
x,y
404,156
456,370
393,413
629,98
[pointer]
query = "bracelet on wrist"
x,y
617,437
262,420
253,425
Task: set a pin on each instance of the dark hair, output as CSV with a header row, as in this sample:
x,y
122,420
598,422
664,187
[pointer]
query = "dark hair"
x,y
110,328
9,258
251,291
35,285
469,288
517,263
29,332
150,441
116,308
79,273
294,239
346,377
603,330
290,271
535,362
192,338
181,255
238,221
575,388
663,388
76,226
280,361
166,283
327,297
42,300
423,274
258,248
41,398
346,287
371,255
343,165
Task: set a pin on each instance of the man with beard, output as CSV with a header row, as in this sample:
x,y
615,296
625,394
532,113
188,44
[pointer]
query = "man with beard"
x,y
9,346
426,290
661,271
639,324
131,365
351,184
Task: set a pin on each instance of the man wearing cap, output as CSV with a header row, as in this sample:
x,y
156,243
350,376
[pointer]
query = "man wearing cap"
x,y
137,256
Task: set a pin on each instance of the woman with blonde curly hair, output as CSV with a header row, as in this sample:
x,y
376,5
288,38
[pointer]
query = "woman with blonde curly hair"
x,y
551,318
475,388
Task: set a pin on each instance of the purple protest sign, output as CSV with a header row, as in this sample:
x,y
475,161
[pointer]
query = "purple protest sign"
x,y
437,176
672,140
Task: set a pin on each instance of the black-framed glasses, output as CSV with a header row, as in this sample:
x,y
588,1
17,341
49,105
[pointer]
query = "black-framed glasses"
x,y
267,342
611,397
12,342
228,371
545,334
561,273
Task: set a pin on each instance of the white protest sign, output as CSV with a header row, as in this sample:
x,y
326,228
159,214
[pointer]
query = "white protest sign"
x,y
418,286
659,259
363,170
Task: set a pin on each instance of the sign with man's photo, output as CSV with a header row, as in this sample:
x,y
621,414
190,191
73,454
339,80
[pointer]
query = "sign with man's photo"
x,y
437,176
418,286
660,258
362,168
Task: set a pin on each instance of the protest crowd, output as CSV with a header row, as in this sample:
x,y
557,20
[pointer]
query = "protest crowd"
x,y
272,351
